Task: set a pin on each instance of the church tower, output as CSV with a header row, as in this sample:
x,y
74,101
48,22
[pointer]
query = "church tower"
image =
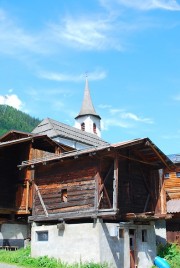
x,y
87,119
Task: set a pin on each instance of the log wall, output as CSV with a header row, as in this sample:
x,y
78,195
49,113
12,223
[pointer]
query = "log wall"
x,y
65,188
172,184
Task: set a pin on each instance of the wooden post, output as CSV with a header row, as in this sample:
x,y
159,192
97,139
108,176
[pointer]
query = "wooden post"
x,y
28,179
27,196
162,193
97,186
115,184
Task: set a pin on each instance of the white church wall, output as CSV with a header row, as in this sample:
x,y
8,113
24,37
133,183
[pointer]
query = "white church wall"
x,y
88,120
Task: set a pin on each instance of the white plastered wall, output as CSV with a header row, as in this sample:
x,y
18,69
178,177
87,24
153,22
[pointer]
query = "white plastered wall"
x,y
97,242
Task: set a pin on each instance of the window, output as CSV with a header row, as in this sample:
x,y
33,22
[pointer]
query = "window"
x,y
94,128
42,235
131,231
144,235
166,175
178,174
83,126
64,195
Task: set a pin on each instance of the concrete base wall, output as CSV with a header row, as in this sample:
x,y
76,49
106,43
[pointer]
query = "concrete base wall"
x,y
160,229
13,234
97,242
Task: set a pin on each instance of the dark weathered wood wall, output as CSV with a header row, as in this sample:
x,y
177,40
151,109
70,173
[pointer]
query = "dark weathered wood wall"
x,y
173,229
138,188
10,176
76,177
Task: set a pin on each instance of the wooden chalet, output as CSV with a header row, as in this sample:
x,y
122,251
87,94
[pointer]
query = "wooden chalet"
x,y
117,182
172,189
15,184
99,203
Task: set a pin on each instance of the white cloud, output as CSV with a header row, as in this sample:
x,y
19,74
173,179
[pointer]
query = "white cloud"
x,y
114,111
114,122
86,33
11,100
171,136
96,75
121,118
134,117
15,40
177,97
104,106
81,33
171,5
100,31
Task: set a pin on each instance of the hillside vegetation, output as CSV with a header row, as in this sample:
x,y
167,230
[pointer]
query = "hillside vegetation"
x,y
11,118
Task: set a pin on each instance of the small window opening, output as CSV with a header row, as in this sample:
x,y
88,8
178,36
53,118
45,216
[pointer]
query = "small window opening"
x,y
178,174
121,233
42,235
64,195
131,231
166,175
94,128
83,126
144,235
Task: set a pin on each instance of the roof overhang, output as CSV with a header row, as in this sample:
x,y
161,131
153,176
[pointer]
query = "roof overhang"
x,y
144,151
41,142
14,135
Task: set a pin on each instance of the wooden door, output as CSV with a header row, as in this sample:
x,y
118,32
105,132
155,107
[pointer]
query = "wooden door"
x,y
132,246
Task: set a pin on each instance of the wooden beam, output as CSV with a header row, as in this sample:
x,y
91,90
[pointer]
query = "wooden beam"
x,y
103,188
108,199
115,184
74,215
146,204
158,154
148,189
136,160
107,175
41,200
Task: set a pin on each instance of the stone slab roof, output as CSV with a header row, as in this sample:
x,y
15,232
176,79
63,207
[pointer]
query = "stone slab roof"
x,y
175,158
53,129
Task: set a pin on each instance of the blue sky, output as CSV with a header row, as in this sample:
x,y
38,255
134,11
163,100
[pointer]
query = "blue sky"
x,y
129,48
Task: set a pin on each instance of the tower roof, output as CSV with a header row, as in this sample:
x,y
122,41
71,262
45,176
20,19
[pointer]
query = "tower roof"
x,y
87,107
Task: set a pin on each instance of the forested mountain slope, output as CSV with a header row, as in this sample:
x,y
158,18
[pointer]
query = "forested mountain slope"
x,y
11,118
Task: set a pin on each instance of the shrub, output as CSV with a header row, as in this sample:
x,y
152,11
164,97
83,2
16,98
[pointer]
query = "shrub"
x,y
170,252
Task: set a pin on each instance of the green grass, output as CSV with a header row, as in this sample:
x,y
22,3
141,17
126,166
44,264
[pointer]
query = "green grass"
x,y
22,258
170,252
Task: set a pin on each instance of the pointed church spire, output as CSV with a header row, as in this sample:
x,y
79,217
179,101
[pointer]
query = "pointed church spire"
x,y
87,119
87,107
